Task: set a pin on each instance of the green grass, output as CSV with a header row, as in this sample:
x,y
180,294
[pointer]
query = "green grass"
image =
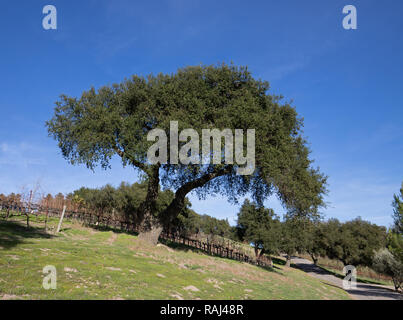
x,y
95,264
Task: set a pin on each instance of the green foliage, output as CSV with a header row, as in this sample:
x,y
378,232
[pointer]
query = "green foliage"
x,y
123,201
398,211
353,242
214,226
191,223
385,262
186,224
116,119
259,226
390,261
314,237
395,245
294,235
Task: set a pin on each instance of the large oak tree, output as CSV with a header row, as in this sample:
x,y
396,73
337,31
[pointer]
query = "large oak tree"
x,y
116,119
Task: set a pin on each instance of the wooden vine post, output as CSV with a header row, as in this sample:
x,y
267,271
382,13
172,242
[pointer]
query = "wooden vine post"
x,y
47,214
61,219
29,208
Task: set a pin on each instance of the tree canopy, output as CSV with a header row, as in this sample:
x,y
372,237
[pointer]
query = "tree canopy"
x,y
116,120
353,242
260,227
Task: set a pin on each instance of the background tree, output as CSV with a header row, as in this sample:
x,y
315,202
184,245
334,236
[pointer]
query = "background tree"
x,y
395,236
315,240
215,227
59,200
398,211
294,236
115,120
186,224
385,262
390,260
11,202
260,227
353,242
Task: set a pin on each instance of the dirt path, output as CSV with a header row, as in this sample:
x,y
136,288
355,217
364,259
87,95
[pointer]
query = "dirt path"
x,y
364,291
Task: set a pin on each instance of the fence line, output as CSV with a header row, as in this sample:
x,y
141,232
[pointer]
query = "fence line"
x,y
92,219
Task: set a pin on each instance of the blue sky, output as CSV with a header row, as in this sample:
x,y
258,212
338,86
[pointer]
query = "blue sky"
x,y
347,84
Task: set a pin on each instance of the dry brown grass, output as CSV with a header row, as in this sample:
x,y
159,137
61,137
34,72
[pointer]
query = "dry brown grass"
x,y
362,272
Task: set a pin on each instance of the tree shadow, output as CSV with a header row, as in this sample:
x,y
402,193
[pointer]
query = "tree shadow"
x,y
13,233
180,246
113,229
282,262
376,291
358,279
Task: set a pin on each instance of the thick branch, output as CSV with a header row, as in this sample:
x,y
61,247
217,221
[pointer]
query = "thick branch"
x,y
189,186
136,163
178,202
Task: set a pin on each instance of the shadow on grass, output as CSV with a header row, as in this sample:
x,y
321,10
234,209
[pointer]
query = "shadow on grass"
x,y
115,230
278,261
281,262
13,233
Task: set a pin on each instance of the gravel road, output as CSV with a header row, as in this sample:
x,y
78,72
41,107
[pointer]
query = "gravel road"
x,y
363,291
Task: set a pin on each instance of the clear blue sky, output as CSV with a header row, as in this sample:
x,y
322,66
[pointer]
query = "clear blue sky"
x,y
347,84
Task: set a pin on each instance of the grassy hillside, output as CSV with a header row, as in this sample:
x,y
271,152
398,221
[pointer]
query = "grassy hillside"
x,y
94,264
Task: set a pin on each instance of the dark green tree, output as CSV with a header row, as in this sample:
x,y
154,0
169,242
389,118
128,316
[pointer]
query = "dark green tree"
x,y
116,120
395,237
213,226
387,263
390,260
294,236
315,240
260,227
187,223
398,211
353,242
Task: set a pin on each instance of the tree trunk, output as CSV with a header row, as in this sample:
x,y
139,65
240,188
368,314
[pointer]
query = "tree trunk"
x,y
152,234
270,261
396,283
314,259
288,261
178,203
258,253
150,226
